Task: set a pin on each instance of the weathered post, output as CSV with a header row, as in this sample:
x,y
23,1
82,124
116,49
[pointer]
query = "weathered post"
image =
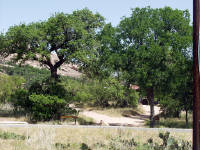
x,y
196,83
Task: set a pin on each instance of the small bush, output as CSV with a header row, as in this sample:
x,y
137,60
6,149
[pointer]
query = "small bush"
x,y
85,147
40,107
46,107
61,146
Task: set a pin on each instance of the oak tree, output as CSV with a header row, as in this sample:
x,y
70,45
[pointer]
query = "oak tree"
x,y
72,37
152,41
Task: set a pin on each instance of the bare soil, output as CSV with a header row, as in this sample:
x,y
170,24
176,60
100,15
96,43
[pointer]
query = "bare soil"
x,y
136,120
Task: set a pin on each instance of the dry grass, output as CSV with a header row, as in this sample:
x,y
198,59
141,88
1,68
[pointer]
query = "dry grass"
x,y
44,138
117,112
174,122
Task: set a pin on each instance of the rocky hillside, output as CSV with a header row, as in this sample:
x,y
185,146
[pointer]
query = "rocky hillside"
x,y
65,69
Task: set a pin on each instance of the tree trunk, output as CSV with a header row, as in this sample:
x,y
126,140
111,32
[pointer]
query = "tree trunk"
x,y
54,73
186,118
177,114
150,97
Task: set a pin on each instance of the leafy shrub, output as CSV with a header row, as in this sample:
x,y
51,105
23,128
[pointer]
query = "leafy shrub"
x,y
46,107
40,107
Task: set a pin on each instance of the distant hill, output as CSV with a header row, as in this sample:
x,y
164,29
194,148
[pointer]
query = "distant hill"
x,y
65,69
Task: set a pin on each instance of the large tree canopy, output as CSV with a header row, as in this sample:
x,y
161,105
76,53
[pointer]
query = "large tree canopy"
x,y
105,63
71,36
153,41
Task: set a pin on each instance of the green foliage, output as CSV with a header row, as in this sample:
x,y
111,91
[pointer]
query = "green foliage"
x,y
30,74
11,135
170,107
77,89
99,92
46,107
40,107
153,39
72,37
8,86
51,87
169,143
111,90
102,66
20,100
154,42
131,98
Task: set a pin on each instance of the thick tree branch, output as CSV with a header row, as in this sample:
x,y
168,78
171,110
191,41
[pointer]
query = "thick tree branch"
x,y
60,62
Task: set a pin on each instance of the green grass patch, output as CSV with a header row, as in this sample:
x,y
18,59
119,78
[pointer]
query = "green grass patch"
x,y
11,135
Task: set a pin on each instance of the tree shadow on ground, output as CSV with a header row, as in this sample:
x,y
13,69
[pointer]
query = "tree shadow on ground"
x,y
135,115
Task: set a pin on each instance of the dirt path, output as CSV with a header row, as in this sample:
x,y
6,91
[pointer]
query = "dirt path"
x,y
113,120
136,121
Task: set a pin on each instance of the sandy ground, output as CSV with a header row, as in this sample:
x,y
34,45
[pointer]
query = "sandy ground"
x,y
137,121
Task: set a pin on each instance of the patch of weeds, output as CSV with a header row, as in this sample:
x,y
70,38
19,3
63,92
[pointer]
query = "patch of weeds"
x,y
99,145
61,146
169,143
85,147
118,143
11,135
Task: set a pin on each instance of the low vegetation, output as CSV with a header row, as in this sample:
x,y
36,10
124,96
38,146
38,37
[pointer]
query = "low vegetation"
x,y
29,73
63,138
11,135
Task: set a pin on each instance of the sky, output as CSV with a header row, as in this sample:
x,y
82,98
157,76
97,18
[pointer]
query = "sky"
x,y
14,12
